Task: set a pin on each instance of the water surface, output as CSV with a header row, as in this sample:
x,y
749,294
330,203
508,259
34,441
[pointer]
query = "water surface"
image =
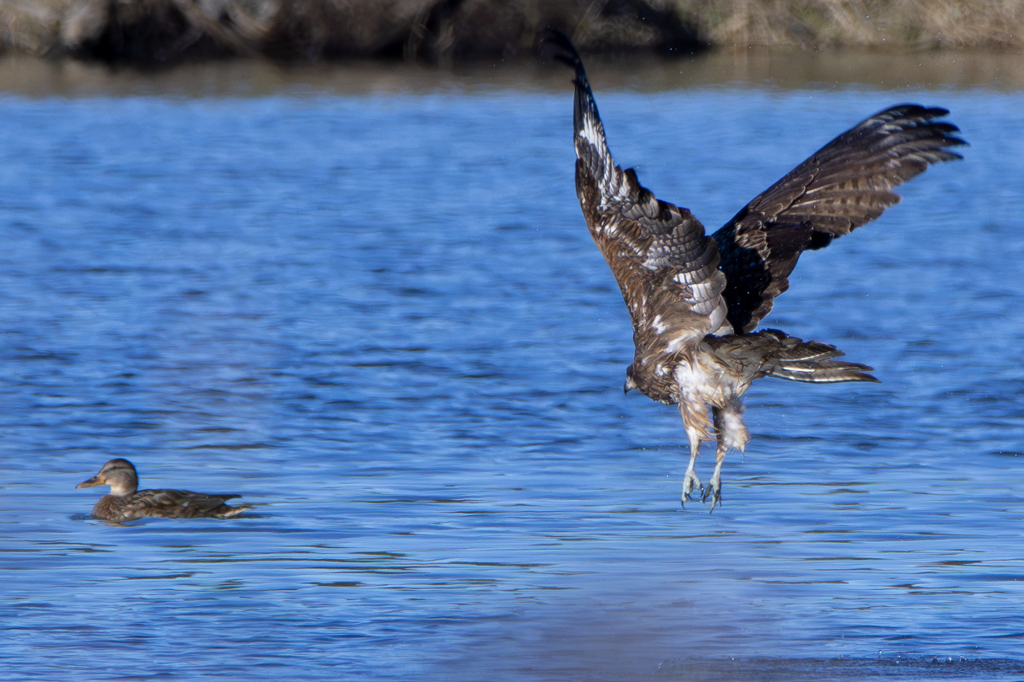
x,y
376,313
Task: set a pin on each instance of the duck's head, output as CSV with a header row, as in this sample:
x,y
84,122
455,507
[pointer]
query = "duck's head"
x,y
119,474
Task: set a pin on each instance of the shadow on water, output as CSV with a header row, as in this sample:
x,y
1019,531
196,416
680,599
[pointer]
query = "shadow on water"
x,y
629,637
381,319
893,667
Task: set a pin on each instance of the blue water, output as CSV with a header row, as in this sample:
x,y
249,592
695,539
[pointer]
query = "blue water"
x,y
380,318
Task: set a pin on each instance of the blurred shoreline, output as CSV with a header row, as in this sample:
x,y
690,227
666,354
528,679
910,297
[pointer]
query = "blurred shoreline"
x,y
152,33
36,77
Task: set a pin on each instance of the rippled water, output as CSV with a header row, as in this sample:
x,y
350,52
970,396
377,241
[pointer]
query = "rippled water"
x,y
379,317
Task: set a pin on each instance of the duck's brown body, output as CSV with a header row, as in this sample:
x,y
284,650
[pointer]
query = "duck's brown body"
x,y
175,504
126,503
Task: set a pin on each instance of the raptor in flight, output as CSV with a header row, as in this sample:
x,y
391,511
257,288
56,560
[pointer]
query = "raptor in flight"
x,y
695,300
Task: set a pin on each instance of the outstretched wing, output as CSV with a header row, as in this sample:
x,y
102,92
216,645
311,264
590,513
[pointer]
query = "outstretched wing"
x,y
844,185
666,267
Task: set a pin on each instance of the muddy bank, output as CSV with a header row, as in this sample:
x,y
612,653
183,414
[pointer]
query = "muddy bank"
x,y
167,31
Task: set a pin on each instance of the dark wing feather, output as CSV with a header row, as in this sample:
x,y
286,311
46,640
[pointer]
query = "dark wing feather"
x,y
844,185
658,252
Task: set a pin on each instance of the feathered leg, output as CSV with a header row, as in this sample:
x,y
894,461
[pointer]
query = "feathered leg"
x,y
714,489
732,433
690,480
698,429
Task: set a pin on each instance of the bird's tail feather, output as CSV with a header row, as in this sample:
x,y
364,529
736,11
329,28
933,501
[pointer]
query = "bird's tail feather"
x,y
808,361
777,354
227,511
823,372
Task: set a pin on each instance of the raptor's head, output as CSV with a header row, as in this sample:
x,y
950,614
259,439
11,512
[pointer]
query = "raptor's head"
x,y
630,381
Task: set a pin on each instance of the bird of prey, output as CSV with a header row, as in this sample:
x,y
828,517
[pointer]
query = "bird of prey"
x,y
695,300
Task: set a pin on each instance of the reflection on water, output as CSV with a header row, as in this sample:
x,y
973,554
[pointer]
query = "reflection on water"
x,y
381,319
638,73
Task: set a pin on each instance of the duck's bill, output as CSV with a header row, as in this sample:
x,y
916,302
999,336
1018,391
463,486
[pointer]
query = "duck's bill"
x,y
95,480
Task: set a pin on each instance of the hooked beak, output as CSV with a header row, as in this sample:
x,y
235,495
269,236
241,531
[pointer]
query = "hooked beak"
x,y
628,386
95,480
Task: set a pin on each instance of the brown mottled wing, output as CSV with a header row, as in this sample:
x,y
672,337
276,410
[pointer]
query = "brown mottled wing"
x,y
844,185
183,504
664,263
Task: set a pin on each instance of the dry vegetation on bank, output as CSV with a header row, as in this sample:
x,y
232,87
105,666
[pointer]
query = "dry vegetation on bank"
x,y
874,24
159,31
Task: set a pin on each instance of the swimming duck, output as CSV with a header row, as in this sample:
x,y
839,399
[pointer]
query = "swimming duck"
x,y
127,503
